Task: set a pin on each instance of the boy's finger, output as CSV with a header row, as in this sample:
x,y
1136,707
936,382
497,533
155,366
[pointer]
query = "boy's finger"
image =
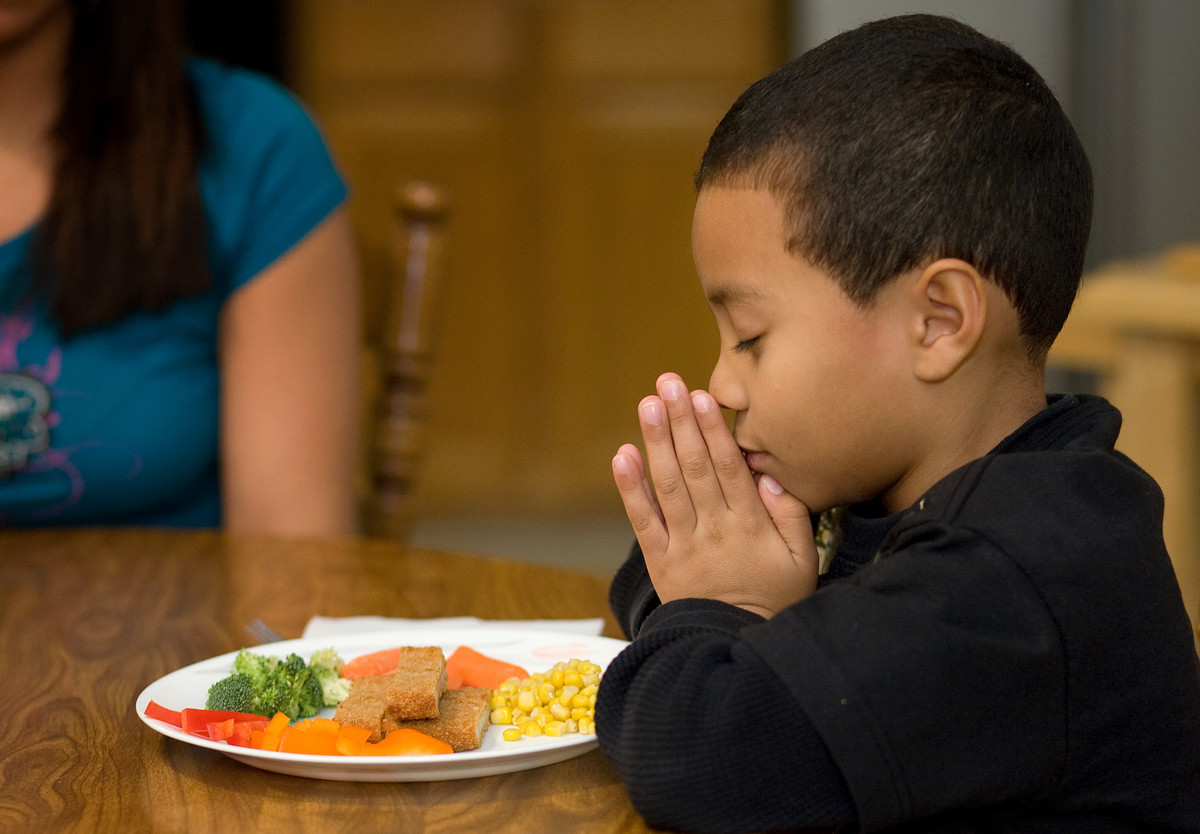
x,y
674,500
691,450
789,515
729,465
640,506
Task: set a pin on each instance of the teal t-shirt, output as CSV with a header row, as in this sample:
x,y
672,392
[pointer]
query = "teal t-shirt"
x,y
119,425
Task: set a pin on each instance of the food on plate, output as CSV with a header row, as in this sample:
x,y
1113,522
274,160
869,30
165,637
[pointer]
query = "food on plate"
x,y
407,743
325,737
464,667
468,667
558,702
373,663
461,721
235,693
423,703
365,705
417,684
414,694
311,736
264,685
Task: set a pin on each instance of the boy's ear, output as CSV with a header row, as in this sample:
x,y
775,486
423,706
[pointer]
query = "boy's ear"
x,y
950,301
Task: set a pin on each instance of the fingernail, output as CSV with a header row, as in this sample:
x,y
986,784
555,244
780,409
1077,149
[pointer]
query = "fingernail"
x,y
773,486
702,402
652,411
673,389
621,465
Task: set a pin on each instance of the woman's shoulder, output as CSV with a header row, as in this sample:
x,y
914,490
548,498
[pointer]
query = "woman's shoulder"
x,y
243,102
267,175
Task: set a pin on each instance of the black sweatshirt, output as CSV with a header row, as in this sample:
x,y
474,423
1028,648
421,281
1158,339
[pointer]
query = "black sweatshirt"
x,y
1009,654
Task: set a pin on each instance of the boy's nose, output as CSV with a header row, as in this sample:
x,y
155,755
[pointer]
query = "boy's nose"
x,y
725,388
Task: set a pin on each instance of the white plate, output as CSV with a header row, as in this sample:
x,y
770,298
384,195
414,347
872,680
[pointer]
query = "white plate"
x,y
535,651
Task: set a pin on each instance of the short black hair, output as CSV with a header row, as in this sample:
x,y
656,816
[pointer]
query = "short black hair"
x,y
915,138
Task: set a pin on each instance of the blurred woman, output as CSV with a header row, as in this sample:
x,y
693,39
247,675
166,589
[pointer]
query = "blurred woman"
x,y
178,284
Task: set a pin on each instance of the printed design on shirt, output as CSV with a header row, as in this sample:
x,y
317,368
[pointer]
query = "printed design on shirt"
x,y
24,430
27,415
828,537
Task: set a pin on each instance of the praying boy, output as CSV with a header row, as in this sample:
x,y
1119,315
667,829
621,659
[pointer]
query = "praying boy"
x,y
984,631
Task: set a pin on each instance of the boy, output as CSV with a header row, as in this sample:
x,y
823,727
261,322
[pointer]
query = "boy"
x,y
890,231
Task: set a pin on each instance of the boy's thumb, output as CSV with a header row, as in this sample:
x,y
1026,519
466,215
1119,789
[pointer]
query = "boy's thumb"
x,y
790,516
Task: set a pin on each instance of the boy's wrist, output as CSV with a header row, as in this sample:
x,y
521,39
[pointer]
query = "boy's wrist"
x,y
696,612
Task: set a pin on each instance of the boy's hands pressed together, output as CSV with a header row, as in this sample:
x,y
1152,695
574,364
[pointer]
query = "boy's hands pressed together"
x,y
715,530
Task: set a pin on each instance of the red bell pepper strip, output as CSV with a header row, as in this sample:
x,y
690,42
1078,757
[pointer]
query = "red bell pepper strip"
x,y
243,732
158,711
220,730
197,720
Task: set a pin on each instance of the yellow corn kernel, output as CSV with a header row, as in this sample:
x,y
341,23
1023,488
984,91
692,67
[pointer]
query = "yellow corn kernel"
x,y
531,729
526,700
545,692
554,728
567,693
556,676
512,734
572,678
587,726
580,712
580,700
502,715
558,712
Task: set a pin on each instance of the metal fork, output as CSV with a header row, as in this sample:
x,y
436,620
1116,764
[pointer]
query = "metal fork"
x,y
262,632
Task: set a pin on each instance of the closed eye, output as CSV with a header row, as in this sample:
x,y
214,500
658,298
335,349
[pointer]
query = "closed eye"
x,y
746,345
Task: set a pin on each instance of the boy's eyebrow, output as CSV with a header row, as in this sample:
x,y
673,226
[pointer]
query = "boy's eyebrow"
x,y
726,296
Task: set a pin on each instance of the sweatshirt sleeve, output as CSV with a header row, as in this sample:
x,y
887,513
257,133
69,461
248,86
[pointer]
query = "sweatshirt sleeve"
x,y
702,733
632,596
866,703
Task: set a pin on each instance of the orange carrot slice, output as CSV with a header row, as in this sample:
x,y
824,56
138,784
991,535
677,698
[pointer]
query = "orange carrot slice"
x,y
475,669
350,740
406,742
316,736
375,663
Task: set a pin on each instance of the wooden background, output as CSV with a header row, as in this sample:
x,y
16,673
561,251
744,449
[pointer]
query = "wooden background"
x,y
568,132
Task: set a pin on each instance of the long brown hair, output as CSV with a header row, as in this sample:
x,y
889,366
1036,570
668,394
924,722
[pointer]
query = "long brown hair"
x,y
124,230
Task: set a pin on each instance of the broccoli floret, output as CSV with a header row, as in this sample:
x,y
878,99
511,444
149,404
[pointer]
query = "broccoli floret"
x,y
291,685
326,666
292,689
309,697
235,692
260,668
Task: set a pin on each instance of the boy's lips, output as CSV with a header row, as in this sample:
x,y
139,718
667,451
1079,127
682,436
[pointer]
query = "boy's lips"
x,y
755,460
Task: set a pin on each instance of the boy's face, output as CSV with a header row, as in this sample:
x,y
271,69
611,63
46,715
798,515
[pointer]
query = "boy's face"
x,y
818,384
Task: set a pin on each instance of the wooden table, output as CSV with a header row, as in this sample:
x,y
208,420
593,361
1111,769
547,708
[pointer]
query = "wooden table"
x,y
1136,324
89,618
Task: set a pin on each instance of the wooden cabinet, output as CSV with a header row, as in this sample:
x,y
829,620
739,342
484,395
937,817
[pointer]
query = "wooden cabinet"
x,y
568,132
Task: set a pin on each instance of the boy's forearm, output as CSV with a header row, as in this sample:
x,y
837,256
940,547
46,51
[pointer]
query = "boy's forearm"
x,y
691,719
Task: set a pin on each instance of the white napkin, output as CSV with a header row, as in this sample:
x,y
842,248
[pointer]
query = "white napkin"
x,y
320,626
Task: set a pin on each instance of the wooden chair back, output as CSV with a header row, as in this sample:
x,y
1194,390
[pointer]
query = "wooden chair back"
x,y
406,359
